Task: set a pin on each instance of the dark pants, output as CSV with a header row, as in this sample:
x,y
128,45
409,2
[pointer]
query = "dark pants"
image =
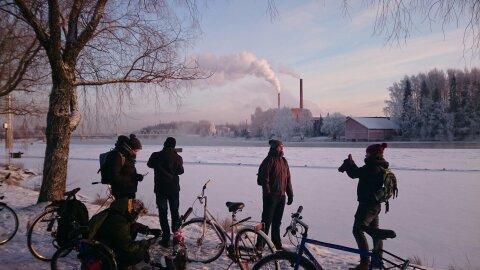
x,y
173,201
366,220
273,206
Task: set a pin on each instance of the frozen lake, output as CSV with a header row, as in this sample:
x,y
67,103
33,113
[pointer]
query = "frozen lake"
x,y
436,216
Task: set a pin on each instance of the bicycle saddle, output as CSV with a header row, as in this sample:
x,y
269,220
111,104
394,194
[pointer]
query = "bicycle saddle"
x,y
71,192
235,206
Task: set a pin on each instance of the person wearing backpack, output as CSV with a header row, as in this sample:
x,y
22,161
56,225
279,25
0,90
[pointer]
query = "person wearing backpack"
x,y
167,165
371,181
117,228
274,177
119,169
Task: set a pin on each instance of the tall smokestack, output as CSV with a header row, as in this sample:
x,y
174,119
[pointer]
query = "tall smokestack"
x,y
278,100
301,93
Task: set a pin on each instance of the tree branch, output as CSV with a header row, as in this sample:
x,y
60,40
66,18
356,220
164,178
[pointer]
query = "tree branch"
x,y
89,30
30,18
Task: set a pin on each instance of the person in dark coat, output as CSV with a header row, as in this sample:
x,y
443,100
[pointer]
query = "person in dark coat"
x,y
274,177
167,165
116,227
370,181
124,178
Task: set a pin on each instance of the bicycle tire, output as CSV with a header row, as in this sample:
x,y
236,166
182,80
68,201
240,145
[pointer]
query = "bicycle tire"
x,y
9,211
74,262
35,252
282,260
246,252
214,235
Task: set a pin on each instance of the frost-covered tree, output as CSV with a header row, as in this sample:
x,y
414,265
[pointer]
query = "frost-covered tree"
x,y
284,124
262,122
334,125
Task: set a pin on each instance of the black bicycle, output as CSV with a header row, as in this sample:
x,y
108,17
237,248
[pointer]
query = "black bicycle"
x,y
82,253
42,234
8,222
304,259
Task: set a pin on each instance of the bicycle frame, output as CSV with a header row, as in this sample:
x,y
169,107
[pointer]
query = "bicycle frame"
x,y
302,249
208,217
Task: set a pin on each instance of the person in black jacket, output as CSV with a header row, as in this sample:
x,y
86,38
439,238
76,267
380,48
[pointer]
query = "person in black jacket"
x,y
117,227
167,165
367,215
124,176
274,177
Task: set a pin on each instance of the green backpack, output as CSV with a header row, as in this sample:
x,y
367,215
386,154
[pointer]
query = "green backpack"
x,y
389,188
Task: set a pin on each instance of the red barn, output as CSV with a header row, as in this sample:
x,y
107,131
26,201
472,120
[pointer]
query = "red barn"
x,y
370,128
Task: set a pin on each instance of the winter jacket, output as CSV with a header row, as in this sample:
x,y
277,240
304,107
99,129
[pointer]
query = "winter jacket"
x,y
167,165
370,177
115,228
124,179
274,175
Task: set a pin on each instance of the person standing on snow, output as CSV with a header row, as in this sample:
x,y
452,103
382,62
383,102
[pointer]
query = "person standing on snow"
x,y
274,177
370,181
124,176
167,165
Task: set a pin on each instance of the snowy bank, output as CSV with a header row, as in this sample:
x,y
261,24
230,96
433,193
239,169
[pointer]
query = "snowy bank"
x,y
15,254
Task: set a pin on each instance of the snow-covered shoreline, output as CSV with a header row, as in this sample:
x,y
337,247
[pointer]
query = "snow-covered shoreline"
x,y
15,254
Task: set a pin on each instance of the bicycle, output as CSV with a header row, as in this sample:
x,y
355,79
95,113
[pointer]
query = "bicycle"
x,y
83,253
303,258
8,222
42,234
206,239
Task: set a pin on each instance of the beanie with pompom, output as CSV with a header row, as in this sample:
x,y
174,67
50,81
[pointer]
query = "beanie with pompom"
x,y
376,149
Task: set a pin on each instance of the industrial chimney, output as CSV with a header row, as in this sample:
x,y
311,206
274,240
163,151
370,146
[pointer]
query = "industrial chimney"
x,y
301,93
278,99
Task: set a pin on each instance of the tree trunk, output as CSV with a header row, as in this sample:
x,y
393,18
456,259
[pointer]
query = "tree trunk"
x,y
58,132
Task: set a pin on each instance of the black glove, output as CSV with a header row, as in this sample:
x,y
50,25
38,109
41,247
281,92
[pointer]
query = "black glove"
x,y
155,232
290,200
139,177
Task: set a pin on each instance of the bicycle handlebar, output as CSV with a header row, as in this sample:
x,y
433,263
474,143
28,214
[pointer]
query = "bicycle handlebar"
x,y
205,185
296,219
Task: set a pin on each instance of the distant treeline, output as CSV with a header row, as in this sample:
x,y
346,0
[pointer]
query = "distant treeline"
x,y
437,105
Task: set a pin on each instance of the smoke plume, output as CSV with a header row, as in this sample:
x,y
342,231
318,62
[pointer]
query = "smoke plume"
x,y
236,66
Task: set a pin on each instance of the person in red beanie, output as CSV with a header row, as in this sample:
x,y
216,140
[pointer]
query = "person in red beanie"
x,y
370,181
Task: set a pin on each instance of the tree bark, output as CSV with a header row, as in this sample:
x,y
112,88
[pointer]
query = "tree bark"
x,y
62,108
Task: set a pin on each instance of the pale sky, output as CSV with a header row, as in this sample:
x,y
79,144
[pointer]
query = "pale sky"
x,y
345,67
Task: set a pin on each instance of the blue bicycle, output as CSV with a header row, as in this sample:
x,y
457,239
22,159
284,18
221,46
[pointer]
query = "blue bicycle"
x,y
304,259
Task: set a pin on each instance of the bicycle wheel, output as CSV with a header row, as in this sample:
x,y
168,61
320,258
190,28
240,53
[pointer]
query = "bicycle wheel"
x,y
246,250
41,235
203,240
284,260
92,256
8,223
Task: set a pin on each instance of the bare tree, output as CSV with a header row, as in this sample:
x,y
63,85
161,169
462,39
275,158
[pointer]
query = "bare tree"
x,y
19,56
97,43
397,18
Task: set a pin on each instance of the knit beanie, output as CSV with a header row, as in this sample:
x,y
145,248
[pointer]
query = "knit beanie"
x,y
121,140
275,143
376,149
134,143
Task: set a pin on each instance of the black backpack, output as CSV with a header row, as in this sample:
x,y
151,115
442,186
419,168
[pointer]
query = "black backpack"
x,y
106,166
70,211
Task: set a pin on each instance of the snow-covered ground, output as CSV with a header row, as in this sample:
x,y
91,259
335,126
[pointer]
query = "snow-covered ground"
x,y
436,216
15,254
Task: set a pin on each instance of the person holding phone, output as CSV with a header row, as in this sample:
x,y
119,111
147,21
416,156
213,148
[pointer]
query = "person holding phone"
x,y
121,163
167,165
